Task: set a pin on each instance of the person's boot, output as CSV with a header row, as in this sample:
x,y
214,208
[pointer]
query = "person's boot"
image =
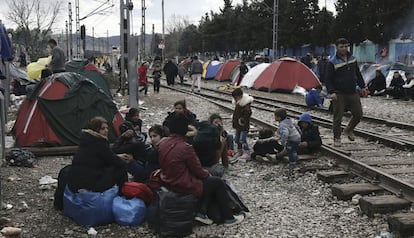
x,y
348,133
337,142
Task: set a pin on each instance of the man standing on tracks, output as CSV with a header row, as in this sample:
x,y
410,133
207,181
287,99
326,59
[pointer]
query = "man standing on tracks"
x,y
342,78
195,73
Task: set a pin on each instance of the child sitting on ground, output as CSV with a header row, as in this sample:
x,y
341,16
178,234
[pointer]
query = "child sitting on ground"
x,y
311,140
266,148
313,98
156,133
226,138
289,137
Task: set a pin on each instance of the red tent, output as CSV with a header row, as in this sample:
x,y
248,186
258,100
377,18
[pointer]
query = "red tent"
x,y
284,74
59,107
225,71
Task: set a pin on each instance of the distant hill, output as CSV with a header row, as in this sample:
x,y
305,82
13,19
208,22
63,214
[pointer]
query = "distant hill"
x,y
101,42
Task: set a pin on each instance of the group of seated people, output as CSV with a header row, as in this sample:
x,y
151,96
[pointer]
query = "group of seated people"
x,y
398,88
186,154
175,148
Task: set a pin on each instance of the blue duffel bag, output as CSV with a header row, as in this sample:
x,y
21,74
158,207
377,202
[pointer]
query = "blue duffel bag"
x,y
90,208
129,212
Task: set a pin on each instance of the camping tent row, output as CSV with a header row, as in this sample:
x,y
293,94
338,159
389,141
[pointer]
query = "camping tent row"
x,y
282,75
59,106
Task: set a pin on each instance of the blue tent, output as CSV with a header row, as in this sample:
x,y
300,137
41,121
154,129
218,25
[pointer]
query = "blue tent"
x,y
212,69
5,44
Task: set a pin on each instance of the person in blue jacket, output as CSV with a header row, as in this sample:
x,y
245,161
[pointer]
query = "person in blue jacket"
x,y
313,97
310,138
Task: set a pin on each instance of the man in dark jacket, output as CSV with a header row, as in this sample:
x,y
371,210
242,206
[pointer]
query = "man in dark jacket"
x,y
243,71
377,85
58,57
342,78
310,138
195,73
396,89
171,71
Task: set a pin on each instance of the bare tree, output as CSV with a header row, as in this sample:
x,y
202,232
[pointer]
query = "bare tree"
x,y
175,28
34,20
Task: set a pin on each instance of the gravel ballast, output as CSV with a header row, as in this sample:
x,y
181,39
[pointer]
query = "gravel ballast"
x,y
302,207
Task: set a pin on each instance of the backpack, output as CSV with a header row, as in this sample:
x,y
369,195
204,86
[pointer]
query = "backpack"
x,y
172,214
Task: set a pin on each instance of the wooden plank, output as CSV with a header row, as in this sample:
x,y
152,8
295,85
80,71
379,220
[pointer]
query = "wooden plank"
x,y
371,154
399,171
332,176
402,224
390,162
382,204
347,191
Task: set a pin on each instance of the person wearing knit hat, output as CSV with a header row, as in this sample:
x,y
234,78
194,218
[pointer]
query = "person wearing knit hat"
x,y
310,138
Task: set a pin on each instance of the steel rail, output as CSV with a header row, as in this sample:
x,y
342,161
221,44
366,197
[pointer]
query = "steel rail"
x,y
388,182
392,123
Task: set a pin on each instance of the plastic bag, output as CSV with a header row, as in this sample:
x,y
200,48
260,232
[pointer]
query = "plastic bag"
x,y
90,208
129,212
172,214
34,70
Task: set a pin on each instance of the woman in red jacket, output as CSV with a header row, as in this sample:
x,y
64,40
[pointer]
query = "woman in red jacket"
x,y
181,172
142,74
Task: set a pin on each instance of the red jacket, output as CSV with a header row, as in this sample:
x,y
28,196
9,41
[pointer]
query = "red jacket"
x,y
181,170
142,74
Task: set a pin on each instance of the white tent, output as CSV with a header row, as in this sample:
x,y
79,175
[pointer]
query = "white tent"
x,y
253,74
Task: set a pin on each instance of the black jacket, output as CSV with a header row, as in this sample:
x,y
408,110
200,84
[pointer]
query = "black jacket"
x,y
343,76
378,83
170,69
311,135
267,146
95,167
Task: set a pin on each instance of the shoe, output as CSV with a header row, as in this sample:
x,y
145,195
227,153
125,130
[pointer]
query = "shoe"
x,y
272,158
337,142
203,219
350,135
260,158
238,153
245,156
233,160
236,220
281,154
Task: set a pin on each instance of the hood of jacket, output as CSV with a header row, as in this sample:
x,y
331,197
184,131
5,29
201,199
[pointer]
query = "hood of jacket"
x,y
246,99
305,117
94,134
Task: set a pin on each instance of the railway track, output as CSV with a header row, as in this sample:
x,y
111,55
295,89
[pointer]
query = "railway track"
x,y
386,164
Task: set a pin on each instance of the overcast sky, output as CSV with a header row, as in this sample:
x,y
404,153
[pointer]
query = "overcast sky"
x,y
109,21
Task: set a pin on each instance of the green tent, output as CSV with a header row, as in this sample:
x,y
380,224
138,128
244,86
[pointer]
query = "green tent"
x,y
83,67
66,101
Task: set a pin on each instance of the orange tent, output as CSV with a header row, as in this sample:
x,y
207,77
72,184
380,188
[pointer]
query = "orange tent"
x,y
226,69
284,74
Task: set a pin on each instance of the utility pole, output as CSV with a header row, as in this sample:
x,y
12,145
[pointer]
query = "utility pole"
x,y
123,46
67,40
275,28
107,42
78,45
163,34
153,43
93,42
143,30
70,55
